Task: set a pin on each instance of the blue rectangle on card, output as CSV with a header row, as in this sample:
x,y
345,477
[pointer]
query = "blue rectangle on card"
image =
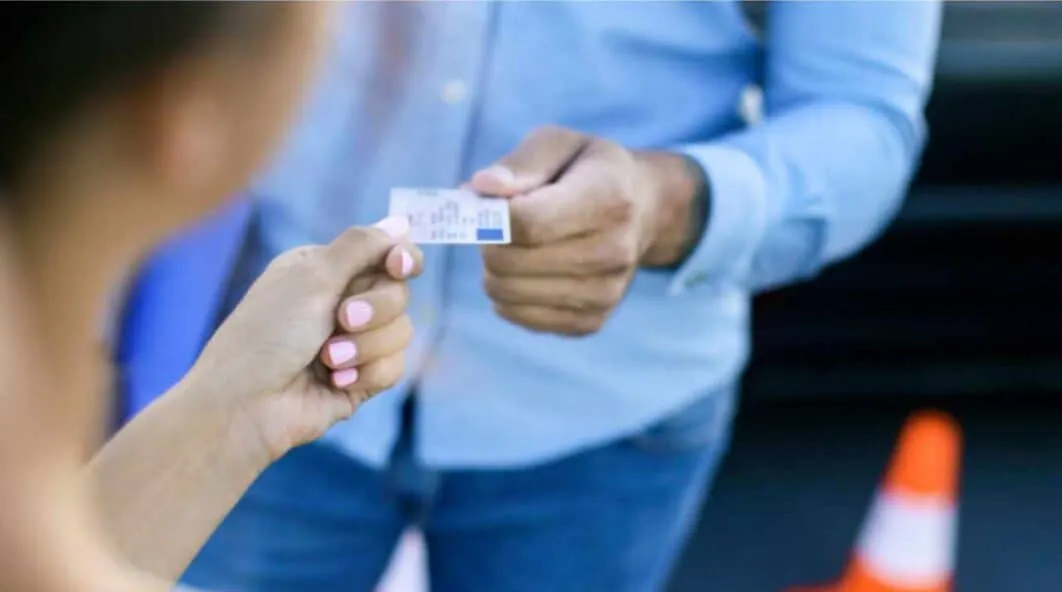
x,y
489,234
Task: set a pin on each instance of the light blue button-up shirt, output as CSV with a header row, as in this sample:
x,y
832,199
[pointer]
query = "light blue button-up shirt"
x,y
458,85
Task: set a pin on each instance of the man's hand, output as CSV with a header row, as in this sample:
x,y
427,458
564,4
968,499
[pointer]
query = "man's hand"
x,y
586,213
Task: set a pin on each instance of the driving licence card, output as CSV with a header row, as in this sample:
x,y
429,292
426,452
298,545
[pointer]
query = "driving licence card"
x,y
452,216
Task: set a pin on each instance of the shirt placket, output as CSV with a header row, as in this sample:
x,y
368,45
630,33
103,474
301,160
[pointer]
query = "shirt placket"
x,y
454,86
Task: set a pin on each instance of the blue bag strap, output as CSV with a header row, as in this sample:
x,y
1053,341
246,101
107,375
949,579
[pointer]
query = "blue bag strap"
x,y
172,306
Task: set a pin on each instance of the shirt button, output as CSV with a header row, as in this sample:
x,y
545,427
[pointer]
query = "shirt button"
x,y
750,104
454,91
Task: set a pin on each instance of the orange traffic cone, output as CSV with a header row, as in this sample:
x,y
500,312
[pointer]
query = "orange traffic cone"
x,y
907,543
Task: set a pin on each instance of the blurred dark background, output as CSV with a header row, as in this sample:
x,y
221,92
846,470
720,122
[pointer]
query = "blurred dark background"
x,y
955,308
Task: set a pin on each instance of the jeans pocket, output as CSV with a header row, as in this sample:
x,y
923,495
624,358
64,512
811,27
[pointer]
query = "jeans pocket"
x,y
703,422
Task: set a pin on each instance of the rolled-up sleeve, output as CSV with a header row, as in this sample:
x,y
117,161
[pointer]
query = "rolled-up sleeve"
x,y
844,91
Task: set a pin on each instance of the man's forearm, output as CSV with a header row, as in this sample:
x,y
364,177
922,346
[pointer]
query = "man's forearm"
x,y
168,478
683,197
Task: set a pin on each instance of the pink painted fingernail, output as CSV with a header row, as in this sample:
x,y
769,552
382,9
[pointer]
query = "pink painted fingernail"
x,y
407,263
345,378
341,352
394,226
499,174
358,313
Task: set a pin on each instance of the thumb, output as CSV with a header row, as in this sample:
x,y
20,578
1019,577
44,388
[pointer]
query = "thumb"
x,y
541,157
362,248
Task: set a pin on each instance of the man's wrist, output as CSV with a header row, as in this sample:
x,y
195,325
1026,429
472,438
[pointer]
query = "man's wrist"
x,y
682,196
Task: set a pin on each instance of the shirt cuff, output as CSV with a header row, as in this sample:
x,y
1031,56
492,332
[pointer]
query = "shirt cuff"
x,y
737,219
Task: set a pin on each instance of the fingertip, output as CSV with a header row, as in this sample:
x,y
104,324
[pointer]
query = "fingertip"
x,y
345,378
406,263
497,173
355,314
403,262
395,227
338,352
494,180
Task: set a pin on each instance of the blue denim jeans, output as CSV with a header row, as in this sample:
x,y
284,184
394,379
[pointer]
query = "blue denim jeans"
x,y
610,519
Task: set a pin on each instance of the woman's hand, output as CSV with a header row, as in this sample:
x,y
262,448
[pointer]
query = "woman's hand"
x,y
321,331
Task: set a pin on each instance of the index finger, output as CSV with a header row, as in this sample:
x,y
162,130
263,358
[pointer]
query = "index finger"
x,y
405,261
359,249
583,201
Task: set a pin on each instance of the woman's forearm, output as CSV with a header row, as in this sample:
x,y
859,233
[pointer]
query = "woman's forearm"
x,y
53,542
50,537
167,479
